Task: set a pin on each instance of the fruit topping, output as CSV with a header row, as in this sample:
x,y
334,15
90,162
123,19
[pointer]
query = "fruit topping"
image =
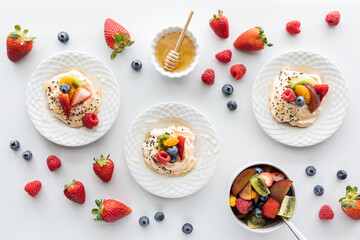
x,y
245,193
310,171
258,170
300,101
257,212
287,207
254,194
350,204
243,205
181,146
224,56
326,213
63,37
163,157
171,141
300,81
77,83
279,189
144,221
161,140
173,158
159,216
232,105
90,120
253,39
187,228
322,90
301,90
208,77
27,155
220,25
241,180
81,94
270,208
232,200
33,188
288,95
64,101
268,178
257,182
341,174
64,88
136,65
238,71
293,27
14,144
18,44
319,190
254,222
277,176
53,162
75,192
314,99
110,210
227,89
333,18
172,151
103,168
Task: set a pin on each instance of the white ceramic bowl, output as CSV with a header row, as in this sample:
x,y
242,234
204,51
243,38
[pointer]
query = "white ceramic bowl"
x,y
267,228
156,64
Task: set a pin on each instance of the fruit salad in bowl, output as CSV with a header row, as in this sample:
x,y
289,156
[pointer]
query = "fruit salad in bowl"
x,y
260,195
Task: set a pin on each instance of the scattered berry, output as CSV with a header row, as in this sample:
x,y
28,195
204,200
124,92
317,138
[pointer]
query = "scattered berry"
x,y
322,90
14,144
33,188
300,101
64,88
224,56
159,216
27,155
263,198
243,205
173,158
163,157
208,77
257,212
75,192
53,162
288,95
253,39
333,18
187,228
172,151
258,170
238,71
293,27
103,168
341,174
63,37
220,25
90,120
268,178
136,65
232,105
144,221
270,208
18,45
350,204
110,210
326,213
227,89
318,190
310,171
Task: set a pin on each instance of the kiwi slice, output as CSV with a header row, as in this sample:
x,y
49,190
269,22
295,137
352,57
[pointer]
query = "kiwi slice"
x,y
300,81
77,83
259,185
254,222
287,207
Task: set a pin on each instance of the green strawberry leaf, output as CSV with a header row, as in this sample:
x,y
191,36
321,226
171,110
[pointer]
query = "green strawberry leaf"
x,y
98,203
348,189
129,43
353,205
14,35
346,205
98,218
17,28
26,31
355,189
357,197
113,55
95,211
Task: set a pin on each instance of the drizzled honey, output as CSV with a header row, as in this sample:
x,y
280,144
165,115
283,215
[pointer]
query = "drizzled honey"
x,y
167,42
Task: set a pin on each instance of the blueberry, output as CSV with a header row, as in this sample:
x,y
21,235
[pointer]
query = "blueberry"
x,y
252,207
144,221
172,150
63,37
260,204
232,105
14,144
341,174
318,190
257,212
136,65
187,228
227,89
159,216
258,170
173,158
310,171
263,198
64,88
300,101
27,155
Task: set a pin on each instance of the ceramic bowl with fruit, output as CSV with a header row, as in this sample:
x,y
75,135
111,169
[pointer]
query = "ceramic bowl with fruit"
x,y
260,195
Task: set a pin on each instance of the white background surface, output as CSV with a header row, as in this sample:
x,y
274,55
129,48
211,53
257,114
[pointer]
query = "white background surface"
x,y
51,216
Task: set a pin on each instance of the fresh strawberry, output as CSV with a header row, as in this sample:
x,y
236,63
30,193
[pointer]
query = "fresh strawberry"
x,y
220,25
238,71
253,39
110,210
64,101
293,27
322,90
18,44
326,213
181,146
208,77
90,120
243,205
270,208
116,37
104,168
53,162
75,192
333,18
33,188
350,204
268,178
80,95
224,56
277,176
288,95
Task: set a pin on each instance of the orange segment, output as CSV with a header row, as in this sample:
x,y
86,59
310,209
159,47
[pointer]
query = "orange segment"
x,y
71,92
67,79
232,200
172,141
301,90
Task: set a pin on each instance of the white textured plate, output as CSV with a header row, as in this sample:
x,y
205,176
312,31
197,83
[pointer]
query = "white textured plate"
x,y
53,128
206,151
333,108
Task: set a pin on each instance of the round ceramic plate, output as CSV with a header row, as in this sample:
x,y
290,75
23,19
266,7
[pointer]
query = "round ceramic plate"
x,y
53,128
333,109
206,151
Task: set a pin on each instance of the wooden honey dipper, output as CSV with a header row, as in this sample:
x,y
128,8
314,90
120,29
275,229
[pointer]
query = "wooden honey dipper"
x,y
172,58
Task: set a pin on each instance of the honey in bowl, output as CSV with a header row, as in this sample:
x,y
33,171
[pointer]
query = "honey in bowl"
x,y
167,43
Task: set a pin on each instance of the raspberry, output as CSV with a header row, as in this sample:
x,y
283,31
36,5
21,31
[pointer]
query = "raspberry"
x,y
333,18
243,205
238,71
293,27
289,95
53,162
90,120
33,188
326,213
163,157
208,77
224,56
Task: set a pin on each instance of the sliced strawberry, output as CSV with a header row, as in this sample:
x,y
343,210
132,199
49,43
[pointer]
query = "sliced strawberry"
x,y
322,90
80,95
268,178
64,101
278,176
181,146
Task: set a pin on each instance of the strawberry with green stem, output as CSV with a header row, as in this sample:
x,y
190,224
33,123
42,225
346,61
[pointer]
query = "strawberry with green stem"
x,y
18,44
350,204
110,210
